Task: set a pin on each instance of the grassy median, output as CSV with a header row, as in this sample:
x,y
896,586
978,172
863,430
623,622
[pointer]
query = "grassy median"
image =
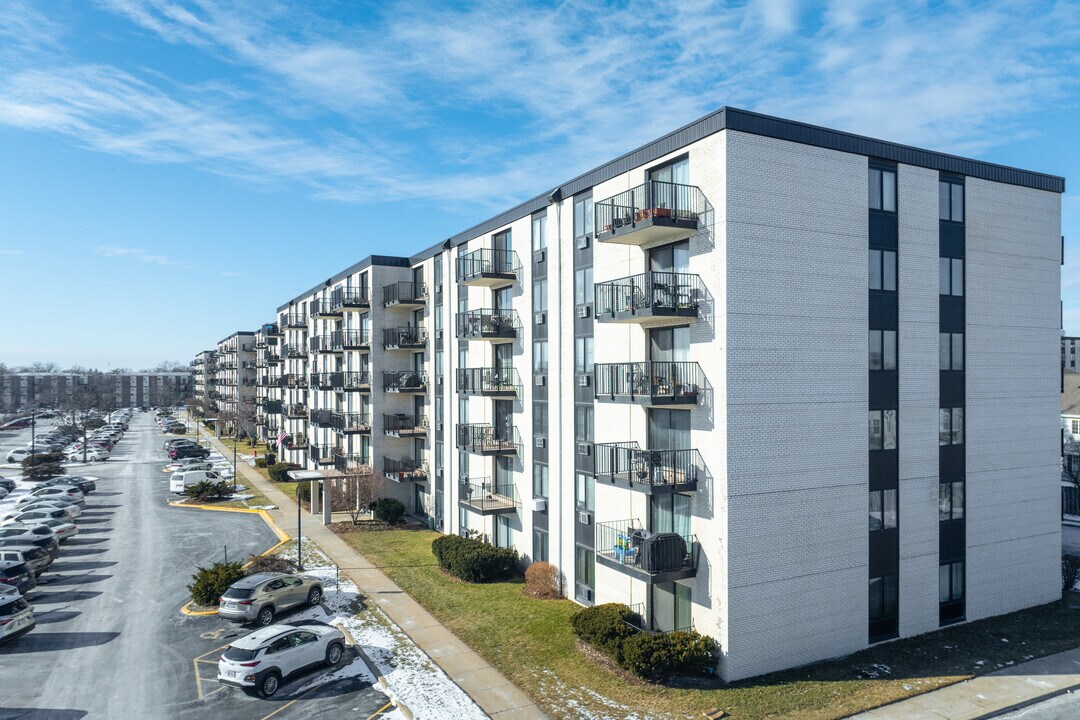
x,y
531,643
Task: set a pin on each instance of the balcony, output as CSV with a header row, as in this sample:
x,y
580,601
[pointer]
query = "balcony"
x,y
355,339
272,407
410,337
324,454
326,343
349,423
405,470
489,382
405,381
353,299
649,471
272,356
325,380
296,412
272,330
352,462
484,439
260,343
327,308
296,442
320,418
295,320
625,546
495,325
294,381
488,267
295,351
651,299
650,213
482,496
649,383
401,425
354,381
405,294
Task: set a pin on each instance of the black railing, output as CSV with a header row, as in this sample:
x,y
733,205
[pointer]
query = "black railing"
x,y
327,307
487,323
410,336
654,469
659,382
355,339
260,343
404,293
295,320
654,201
483,495
325,380
649,294
351,461
489,381
326,343
324,454
626,543
322,418
351,422
488,263
404,381
405,469
353,298
488,439
400,424
296,442
272,355
272,407
296,411
295,351
294,381
355,381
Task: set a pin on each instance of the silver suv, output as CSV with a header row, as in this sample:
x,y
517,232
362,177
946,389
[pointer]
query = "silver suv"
x,y
258,598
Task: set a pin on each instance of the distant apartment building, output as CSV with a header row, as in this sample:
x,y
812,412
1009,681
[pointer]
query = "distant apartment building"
x,y
1068,352
234,378
124,389
714,379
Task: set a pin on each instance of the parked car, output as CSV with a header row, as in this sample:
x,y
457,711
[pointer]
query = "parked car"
x,y
16,617
8,590
3,493
180,481
91,455
175,442
37,559
260,597
186,451
258,662
62,530
19,517
184,464
59,490
17,574
73,510
86,484
19,454
7,483
40,535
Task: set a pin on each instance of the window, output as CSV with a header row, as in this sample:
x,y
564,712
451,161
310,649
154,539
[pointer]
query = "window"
x,y
882,349
585,491
882,510
583,355
882,429
539,232
540,360
504,533
540,545
584,568
540,295
951,351
583,286
540,480
951,582
883,597
883,270
951,426
583,423
951,201
951,276
583,217
951,501
1075,426
540,417
882,189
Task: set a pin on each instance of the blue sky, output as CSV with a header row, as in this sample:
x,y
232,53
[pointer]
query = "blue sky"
x,y
172,171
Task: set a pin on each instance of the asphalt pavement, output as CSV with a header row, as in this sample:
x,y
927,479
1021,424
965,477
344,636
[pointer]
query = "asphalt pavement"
x,y
1062,707
111,642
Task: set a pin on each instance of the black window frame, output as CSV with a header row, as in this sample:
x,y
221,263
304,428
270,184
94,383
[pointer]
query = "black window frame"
x,y
876,190
876,339
952,414
886,582
881,266
947,205
950,291
947,351
947,496
883,495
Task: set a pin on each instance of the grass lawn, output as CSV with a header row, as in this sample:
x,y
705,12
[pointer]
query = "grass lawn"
x,y
531,643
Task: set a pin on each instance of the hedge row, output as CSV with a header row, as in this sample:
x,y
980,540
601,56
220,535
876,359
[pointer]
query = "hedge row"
x,y
653,656
474,561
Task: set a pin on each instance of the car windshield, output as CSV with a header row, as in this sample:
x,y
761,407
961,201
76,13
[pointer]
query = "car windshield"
x,y
238,654
238,593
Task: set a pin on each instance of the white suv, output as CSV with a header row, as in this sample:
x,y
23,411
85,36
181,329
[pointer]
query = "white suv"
x,y
259,661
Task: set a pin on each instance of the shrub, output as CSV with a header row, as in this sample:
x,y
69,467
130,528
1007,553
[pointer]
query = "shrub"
x,y
43,466
278,471
261,462
268,563
606,627
207,490
207,584
1070,572
542,580
660,657
390,511
473,561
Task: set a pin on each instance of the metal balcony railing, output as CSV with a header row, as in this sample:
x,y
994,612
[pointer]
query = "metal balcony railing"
x,y
360,381
272,355
321,418
404,381
400,425
351,422
410,336
488,439
487,324
295,351
355,339
497,381
260,342
272,407
324,454
648,470
296,442
486,265
405,469
353,298
294,381
627,545
404,293
327,308
326,343
640,620
648,295
294,320
296,411
352,461
325,380
649,383
656,203
484,496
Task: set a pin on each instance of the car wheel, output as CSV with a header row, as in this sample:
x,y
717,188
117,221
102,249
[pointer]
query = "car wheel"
x,y
269,684
266,616
333,654
314,596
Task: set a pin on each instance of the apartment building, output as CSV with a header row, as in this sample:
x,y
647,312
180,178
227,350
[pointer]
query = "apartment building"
x,y
234,378
123,389
203,369
718,379
1068,352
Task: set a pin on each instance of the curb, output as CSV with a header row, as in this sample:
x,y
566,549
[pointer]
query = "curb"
x,y
1028,703
383,684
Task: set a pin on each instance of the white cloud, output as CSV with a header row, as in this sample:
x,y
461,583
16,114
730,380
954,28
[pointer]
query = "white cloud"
x,y
140,254
5,251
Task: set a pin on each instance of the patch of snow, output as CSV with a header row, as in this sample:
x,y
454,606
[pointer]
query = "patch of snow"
x,y
240,496
262,507
1005,640
584,703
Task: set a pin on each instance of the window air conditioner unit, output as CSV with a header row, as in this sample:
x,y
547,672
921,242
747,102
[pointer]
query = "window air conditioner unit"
x,y
439,380
438,288
539,504
539,256
584,517
438,334
583,380
539,318
438,472
584,449
583,311
541,380
541,441
583,242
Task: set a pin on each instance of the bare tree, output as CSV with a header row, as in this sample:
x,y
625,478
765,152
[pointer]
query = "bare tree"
x,y
79,410
169,366
353,493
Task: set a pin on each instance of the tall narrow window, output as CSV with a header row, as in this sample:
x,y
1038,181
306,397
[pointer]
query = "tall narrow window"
x,y
951,582
882,429
951,501
540,480
882,189
951,201
539,232
883,597
882,270
951,426
882,349
951,276
883,515
951,351
540,545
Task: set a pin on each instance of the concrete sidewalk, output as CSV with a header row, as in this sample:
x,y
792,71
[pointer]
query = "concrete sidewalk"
x,y
495,695
989,695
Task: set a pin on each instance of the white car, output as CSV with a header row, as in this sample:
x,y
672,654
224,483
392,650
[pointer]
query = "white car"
x,y
18,455
70,492
187,464
72,509
92,455
258,662
62,530
30,517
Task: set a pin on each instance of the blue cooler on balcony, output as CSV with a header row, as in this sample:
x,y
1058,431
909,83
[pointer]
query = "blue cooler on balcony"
x,y
662,551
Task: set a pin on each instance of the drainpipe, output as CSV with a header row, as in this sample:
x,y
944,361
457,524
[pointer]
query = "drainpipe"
x,y
556,198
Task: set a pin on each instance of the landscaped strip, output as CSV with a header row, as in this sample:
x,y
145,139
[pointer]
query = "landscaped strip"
x,y
531,642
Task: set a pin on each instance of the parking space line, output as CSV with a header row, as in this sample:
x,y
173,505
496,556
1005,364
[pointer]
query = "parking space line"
x,y
379,712
198,675
295,700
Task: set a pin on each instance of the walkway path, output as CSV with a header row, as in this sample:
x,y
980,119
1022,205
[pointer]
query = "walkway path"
x,y
495,695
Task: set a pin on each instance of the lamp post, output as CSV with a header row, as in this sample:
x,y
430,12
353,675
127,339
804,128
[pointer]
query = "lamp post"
x,y
234,462
299,534
33,437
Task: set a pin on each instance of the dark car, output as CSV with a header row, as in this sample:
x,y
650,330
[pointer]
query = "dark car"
x,y
18,574
7,483
186,451
40,535
174,442
85,484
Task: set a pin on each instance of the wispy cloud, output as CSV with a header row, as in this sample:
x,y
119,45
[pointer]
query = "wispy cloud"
x,y
140,254
6,251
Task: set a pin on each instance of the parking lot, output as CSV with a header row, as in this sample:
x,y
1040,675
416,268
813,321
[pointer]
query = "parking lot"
x,y
111,641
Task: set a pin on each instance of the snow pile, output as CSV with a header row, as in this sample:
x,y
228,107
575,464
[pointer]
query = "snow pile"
x,y
580,702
